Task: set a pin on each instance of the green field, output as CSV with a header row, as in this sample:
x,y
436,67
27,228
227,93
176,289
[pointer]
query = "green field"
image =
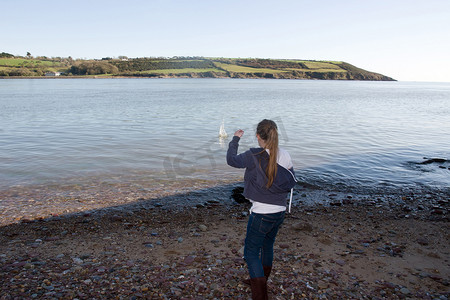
x,y
311,66
29,67
242,69
338,70
180,71
334,65
321,65
29,63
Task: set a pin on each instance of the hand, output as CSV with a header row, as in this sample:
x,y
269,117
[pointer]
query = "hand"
x,y
239,133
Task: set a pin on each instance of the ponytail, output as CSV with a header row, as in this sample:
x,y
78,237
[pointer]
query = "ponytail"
x,y
267,130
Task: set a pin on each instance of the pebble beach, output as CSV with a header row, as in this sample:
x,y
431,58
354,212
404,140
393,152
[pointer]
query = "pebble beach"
x,y
184,241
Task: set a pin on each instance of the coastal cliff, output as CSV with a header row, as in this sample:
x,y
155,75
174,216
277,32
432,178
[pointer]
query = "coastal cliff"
x,y
186,67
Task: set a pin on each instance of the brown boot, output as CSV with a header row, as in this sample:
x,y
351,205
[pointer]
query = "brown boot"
x,y
259,288
267,271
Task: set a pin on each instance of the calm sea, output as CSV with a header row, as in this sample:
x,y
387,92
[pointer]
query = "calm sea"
x,y
344,134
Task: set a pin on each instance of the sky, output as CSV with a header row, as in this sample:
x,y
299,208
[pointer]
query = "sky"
x,y
408,40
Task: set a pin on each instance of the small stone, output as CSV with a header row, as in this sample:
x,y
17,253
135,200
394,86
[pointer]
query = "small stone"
x,y
115,218
302,226
189,259
77,268
347,201
405,291
180,239
340,262
202,227
77,260
406,208
437,211
190,272
284,246
422,241
424,274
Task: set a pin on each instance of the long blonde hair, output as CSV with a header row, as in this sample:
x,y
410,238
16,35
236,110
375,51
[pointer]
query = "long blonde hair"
x,y
268,131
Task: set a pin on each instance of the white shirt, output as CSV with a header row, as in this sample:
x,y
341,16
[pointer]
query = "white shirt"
x,y
284,160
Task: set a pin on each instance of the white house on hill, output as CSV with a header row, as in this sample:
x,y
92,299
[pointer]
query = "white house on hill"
x,y
52,74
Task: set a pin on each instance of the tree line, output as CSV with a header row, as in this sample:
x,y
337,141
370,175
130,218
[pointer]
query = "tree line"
x,y
145,64
261,63
93,68
6,55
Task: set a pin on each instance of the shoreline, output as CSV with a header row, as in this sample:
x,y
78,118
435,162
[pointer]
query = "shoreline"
x,y
183,76
189,245
23,203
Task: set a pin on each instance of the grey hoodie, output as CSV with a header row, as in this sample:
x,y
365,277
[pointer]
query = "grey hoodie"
x,y
255,162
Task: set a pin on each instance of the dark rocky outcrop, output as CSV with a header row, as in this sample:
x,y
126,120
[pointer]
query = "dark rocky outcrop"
x,y
434,160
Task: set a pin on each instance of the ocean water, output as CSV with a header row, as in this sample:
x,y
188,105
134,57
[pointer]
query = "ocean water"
x,y
340,134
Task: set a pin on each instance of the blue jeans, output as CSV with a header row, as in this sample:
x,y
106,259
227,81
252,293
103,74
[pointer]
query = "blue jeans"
x,y
261,232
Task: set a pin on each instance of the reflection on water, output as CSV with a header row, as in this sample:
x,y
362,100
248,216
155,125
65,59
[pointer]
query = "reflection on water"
x,y
223,142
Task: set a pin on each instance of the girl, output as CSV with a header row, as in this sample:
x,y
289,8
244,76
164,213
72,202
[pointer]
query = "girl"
x,y
268,178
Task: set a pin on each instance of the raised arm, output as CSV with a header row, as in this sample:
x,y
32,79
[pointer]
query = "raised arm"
x,y
233,159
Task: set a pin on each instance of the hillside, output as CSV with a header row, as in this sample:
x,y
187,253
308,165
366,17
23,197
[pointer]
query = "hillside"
x,y
193,67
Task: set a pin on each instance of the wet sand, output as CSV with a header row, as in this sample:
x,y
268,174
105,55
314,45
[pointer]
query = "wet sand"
x,y
187,244
68,196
